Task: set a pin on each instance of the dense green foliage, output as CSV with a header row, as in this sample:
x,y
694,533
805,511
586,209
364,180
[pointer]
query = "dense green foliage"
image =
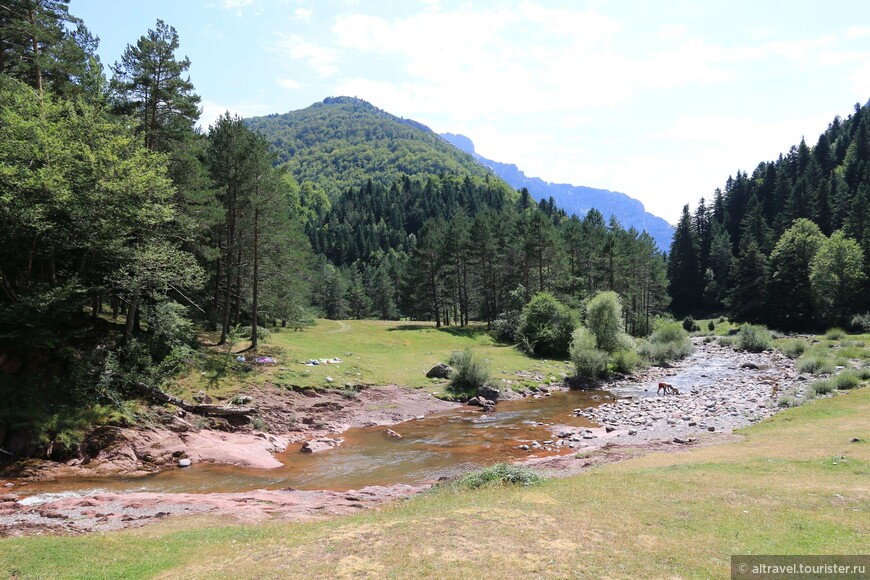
x,y
344,142
588,359
109,197
432,235
545,326
754,249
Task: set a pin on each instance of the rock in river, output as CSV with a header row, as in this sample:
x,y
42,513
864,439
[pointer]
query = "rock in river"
x,y
488,392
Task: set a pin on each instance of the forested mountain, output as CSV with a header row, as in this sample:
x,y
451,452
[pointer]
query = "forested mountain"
x,y
788,244
576,199
344,141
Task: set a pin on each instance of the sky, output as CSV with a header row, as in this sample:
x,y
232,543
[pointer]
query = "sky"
x,y
659,100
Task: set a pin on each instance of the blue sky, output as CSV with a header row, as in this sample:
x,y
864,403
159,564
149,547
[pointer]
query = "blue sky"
x,y
659,100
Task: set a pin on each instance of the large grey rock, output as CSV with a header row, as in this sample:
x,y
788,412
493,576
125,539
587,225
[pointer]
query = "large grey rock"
x,y
439,371
488,392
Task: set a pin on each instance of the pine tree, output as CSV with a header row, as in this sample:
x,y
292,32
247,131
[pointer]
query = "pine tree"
x,y
150,85
684,275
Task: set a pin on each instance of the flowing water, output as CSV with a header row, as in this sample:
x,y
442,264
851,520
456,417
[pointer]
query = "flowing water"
x,y
439,445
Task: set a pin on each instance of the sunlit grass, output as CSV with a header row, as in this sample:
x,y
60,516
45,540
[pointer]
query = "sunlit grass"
x,y
372,352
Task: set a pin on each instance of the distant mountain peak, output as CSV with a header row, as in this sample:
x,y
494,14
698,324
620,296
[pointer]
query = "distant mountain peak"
x,y
576,199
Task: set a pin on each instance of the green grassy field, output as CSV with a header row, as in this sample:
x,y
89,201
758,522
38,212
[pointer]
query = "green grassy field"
x,y
795,484
375,352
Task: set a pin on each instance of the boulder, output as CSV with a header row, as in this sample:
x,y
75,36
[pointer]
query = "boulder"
x,y
321,444
439,371
488,392
393,434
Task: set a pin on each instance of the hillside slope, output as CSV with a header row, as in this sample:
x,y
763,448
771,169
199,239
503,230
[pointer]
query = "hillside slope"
x,y
343,142
576,199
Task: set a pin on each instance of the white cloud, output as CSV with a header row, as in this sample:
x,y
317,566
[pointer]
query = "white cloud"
x,y
323,59
235,4
290,84
856,32
303,14
212,110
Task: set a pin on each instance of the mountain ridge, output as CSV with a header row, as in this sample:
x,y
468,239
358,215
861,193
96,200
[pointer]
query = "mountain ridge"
x,y
576,199
341,142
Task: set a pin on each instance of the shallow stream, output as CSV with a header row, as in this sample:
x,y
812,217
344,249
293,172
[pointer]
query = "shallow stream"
x,y
439,445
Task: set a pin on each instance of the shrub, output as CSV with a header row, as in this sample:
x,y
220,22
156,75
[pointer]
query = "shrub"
x,y
727,341
793,348
545,326
815,364
588,360
504,328
835,334
689,324
711,326
625,361
787,401
861,322
667,343
822,387
846,380
863,373
470,372
754,338
604,319
500,474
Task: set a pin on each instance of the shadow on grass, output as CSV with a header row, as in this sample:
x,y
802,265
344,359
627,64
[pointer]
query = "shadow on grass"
x,y
458,331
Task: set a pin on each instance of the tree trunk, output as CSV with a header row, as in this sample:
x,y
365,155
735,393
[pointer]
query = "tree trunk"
x,y
255,281
132,313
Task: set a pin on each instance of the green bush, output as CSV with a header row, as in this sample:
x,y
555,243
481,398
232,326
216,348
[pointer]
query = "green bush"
x,y
728,341
504,328
822,387
500,474
689,324
470,372
846,380
835,334
815,364
861,322
589,361
669,342
863,373
754,338
625,361
604,319
545,326
711,326
787,401
793,348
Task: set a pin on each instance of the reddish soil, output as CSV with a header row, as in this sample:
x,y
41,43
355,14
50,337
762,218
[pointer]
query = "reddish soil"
x,y
111,511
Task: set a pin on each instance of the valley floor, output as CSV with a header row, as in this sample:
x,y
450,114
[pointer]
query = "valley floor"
x,y
794,484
